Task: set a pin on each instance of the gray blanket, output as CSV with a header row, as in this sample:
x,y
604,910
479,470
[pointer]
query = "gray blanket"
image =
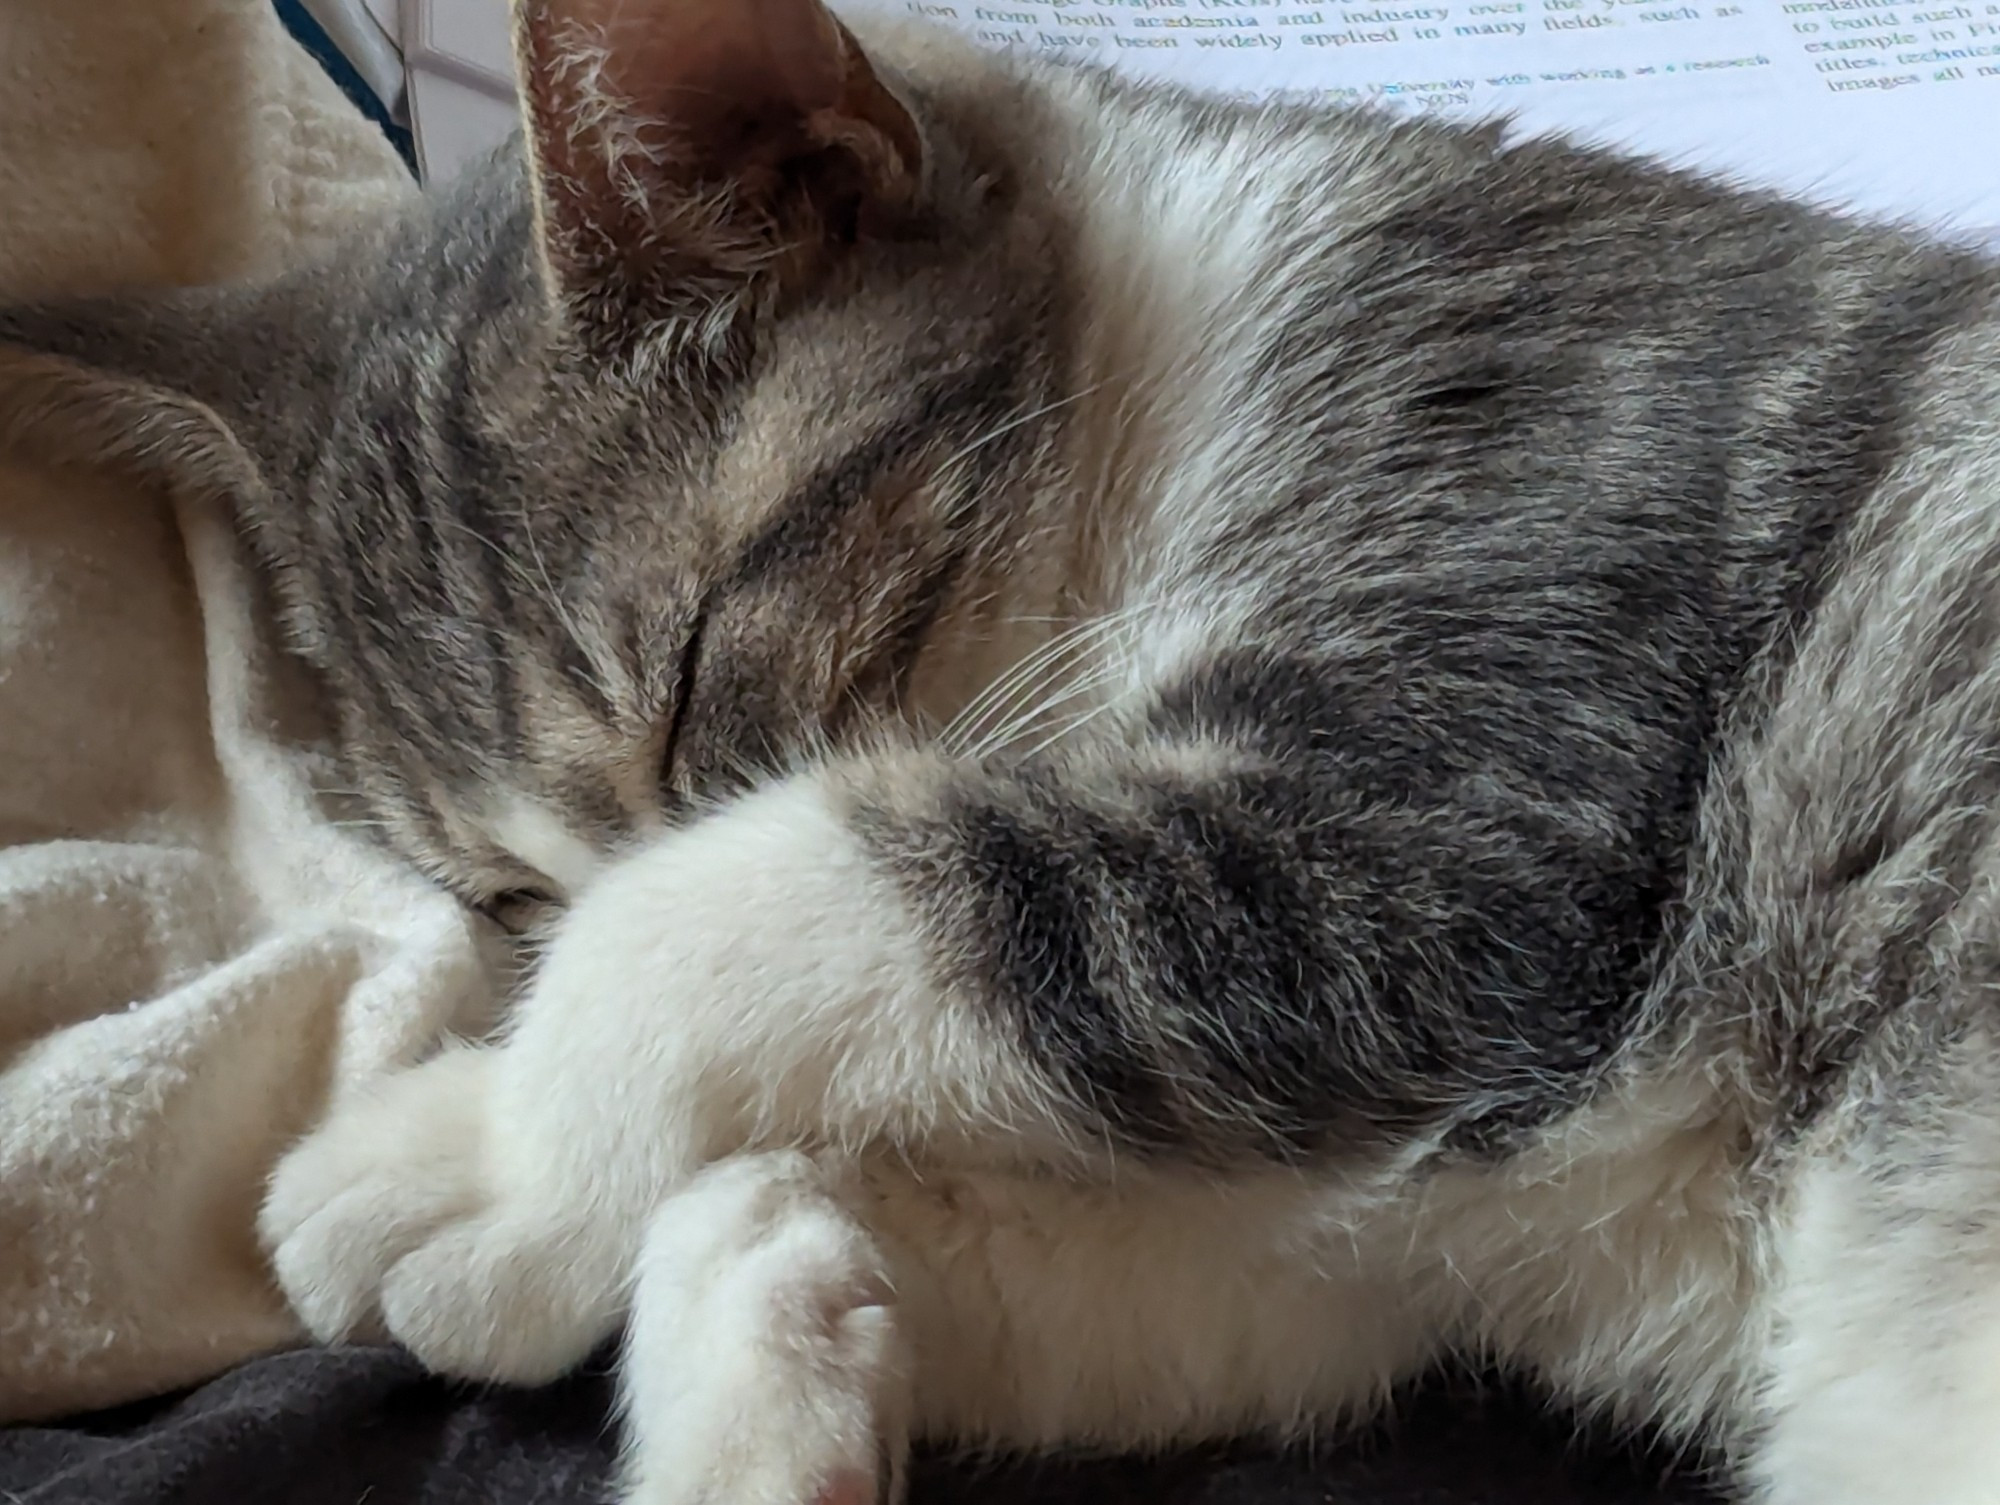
x,y
365,1427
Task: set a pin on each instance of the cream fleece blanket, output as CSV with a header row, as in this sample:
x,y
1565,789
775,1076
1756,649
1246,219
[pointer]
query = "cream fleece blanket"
x,y
191,960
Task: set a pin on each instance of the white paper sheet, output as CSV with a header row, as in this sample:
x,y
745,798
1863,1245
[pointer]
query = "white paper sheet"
x,y
1891,108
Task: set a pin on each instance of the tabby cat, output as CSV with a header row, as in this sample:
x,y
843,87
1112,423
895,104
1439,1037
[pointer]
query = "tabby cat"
x,y
1171,758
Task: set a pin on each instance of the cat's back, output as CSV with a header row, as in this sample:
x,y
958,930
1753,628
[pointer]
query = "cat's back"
x,y
1316,333
1644,516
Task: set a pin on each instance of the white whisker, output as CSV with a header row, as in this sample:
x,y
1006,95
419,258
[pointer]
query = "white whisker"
x,y
999,697
1069,728
1037,713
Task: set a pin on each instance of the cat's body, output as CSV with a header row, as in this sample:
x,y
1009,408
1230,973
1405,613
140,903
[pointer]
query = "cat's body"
x,y
1360,744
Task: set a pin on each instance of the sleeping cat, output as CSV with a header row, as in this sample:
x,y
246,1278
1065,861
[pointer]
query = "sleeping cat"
x,y
1170,758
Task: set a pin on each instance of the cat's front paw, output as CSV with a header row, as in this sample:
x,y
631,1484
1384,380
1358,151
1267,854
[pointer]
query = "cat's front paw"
x,y
390,1220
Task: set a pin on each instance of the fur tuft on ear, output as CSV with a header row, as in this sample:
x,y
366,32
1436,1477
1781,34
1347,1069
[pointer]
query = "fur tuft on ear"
x,y
683,148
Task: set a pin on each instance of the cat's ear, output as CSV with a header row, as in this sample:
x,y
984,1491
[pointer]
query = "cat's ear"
x,y
682,147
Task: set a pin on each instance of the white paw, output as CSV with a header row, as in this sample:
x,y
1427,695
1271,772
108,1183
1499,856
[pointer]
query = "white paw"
x,y
763,1365
388,1220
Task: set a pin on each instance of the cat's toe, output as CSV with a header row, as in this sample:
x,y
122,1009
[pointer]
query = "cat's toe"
x,y
504,1296
388,1170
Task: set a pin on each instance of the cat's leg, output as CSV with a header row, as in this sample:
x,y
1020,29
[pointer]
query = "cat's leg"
x,y
753,976
1883,1377
1174,951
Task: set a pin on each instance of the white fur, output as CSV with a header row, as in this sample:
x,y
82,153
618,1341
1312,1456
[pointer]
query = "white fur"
x,y
536,835
1887,1385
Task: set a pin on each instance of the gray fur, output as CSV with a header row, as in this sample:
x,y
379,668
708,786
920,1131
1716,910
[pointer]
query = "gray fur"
x,y
1599,675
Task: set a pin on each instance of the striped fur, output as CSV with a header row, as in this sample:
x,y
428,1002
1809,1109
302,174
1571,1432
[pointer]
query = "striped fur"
x,y
1195,754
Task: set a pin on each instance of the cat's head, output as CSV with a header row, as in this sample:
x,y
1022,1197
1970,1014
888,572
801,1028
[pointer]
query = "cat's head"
x,y
615,479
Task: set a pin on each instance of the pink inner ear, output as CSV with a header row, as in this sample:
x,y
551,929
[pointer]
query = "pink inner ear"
x,y
850,1487
691,61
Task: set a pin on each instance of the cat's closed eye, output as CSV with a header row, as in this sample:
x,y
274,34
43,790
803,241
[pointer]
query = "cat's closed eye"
x,y
690,661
